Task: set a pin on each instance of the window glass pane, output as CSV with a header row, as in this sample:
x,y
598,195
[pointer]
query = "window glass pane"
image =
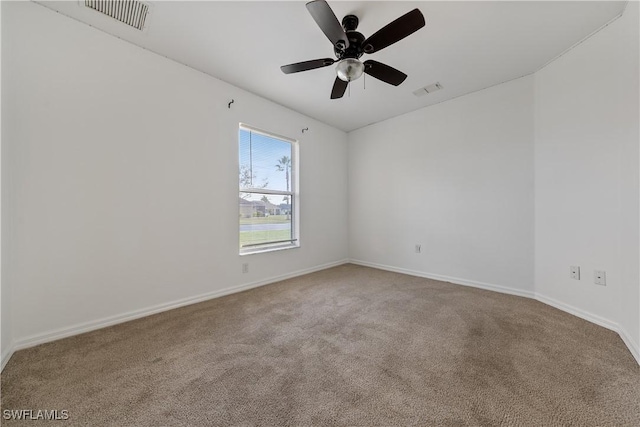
x,y
265,218
265,162
266,199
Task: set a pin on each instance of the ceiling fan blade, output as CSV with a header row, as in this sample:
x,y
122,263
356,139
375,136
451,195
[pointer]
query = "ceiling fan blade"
x,y
384,72
395,31
339,88
306,65
328,23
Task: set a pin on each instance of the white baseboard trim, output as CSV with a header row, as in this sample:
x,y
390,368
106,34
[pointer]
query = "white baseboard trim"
x,y
593,318
132,315
455,280
590,317
600,321
125,317
6,356
631,345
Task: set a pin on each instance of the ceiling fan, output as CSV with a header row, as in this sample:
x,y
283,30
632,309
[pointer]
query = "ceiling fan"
x,y
349,45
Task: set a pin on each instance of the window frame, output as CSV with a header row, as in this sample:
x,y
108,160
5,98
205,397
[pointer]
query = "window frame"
x,y
293,193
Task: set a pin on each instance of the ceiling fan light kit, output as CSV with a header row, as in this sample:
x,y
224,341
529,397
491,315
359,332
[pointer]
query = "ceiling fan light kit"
x,y
349,45
349,69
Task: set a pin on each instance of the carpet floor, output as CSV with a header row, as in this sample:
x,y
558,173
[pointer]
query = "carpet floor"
x,y
345,346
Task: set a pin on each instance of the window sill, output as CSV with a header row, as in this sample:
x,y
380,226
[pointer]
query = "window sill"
x,y
266,248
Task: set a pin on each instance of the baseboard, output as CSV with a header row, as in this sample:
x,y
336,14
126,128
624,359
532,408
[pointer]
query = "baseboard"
x,y
6,355
598,320
113,320
601,321
126,317
590,317
455,280
631,345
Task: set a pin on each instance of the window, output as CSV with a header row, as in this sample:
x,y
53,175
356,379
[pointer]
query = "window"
x,y
267,197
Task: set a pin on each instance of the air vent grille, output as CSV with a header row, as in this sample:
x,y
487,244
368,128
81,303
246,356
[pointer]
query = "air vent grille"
x,y
130,12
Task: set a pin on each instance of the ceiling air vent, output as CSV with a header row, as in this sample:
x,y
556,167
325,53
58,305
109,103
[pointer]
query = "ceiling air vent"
x,y
130,12
428,89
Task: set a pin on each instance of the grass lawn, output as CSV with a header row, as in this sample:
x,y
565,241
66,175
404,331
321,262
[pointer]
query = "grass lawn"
x,y
272,219
251,237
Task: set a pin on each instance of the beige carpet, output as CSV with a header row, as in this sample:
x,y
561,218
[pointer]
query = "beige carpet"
x,y
345,346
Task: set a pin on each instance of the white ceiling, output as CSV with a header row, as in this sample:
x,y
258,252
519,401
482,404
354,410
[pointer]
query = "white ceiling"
x,y
466,46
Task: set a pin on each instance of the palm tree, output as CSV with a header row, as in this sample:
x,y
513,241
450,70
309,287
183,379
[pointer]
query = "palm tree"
x,y
284,164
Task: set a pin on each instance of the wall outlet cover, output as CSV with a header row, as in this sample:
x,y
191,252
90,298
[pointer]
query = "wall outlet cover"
x,y
600,277
574,272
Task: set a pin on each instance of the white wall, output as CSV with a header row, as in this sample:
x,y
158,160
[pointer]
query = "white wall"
x,y
123,169
586,157
456,178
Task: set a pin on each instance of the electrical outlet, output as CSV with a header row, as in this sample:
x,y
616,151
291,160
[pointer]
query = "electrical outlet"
x,y
245,268
418,249
574,272
600,277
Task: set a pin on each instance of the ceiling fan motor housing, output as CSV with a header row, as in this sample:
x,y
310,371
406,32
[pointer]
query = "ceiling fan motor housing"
x,y
355,49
